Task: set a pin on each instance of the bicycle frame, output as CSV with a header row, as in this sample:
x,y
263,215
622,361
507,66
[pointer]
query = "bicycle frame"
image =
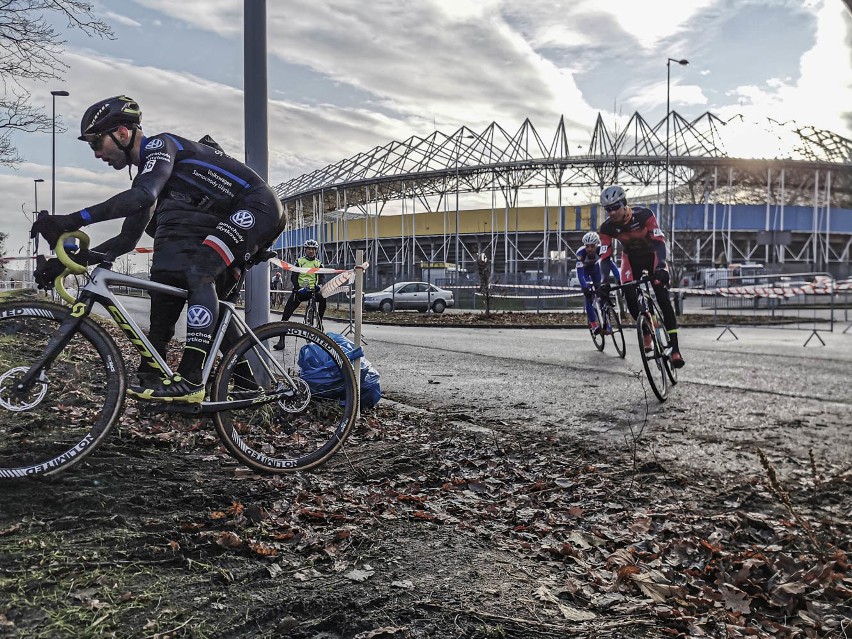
x,y
648,305
97,291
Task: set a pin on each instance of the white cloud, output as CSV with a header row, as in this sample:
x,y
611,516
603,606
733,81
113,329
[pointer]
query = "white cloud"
x,y
111,16
823,90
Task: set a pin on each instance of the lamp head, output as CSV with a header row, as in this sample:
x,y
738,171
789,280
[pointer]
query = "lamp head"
x,y
38,180
60,93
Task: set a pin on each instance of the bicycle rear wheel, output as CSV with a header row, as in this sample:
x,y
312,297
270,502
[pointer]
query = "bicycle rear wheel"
x,y
64,416
304,431
616,333
653,360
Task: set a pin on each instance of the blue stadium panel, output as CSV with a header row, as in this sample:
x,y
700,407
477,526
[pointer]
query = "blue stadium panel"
x,y
752,217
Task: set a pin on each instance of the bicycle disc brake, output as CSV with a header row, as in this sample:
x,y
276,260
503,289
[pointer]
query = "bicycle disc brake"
x,y
300,399
13,399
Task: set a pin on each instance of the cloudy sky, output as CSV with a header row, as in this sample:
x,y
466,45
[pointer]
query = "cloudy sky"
x,y
348,75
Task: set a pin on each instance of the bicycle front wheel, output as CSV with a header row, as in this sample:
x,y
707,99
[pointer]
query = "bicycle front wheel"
x,y
306,429
71,408
616,333
653,360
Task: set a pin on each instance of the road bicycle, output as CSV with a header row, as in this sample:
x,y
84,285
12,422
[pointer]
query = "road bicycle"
x,y
63,380
657,360
608,322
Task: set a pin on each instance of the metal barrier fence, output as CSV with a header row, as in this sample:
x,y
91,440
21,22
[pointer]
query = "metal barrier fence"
x,y
811,301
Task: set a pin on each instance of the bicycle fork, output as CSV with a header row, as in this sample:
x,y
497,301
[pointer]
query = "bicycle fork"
x,y
37,373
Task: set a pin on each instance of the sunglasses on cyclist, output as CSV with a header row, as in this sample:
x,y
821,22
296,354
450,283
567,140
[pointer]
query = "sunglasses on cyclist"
x,y
613,207
97,142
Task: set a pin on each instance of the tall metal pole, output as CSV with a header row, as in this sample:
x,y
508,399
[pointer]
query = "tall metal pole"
x,y
667,222
257,138
53,156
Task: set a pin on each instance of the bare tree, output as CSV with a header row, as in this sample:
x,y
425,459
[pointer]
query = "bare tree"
x,y
30,49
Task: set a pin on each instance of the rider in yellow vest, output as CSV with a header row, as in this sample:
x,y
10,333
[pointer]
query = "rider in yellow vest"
x,y
305,284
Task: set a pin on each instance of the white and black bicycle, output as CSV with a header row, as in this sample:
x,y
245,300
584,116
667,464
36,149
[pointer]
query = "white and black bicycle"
x,y
63,381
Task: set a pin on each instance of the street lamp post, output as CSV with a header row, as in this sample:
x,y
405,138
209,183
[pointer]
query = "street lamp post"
x,y
53,159
667,215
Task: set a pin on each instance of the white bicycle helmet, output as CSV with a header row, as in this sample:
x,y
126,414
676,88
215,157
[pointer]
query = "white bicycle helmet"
x,y
591,238
311,244
613,195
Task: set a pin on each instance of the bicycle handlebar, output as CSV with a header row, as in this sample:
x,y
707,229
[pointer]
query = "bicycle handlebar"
x,y
645,277
70,265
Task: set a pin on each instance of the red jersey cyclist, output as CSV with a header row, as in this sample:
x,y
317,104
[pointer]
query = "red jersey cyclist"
x,y
643,249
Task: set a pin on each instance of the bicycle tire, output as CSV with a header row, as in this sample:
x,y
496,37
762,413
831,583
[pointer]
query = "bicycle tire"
x,y
286,437
666,344
598,338
60,422
671,371
617,334
652,361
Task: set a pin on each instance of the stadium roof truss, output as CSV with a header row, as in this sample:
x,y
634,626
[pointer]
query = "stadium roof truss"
x,y
467,161
808,166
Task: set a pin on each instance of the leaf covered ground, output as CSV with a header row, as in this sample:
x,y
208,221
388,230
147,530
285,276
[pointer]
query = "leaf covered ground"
x,y
423,528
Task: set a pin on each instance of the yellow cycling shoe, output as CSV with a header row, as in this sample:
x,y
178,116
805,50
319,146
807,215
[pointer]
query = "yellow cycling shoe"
x,y
175,389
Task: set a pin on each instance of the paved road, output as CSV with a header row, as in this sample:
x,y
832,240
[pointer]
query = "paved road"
x,y
763,389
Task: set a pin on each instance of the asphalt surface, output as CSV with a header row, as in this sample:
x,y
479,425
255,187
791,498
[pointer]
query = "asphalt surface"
x,y
742,389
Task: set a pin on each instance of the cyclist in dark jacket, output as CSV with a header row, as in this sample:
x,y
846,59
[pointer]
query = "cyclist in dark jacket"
x,y
643,249
210,214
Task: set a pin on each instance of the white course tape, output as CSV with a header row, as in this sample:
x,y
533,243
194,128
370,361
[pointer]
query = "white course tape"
x,y
322,271
768,291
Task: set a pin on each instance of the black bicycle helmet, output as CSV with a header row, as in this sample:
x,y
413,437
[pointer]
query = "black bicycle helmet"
x,y
109,114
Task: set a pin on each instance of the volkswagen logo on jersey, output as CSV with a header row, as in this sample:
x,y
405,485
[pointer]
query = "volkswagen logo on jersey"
x,y
198,317
154,144
244,219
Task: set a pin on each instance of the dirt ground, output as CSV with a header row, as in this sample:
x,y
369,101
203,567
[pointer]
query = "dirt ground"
x,y
423,527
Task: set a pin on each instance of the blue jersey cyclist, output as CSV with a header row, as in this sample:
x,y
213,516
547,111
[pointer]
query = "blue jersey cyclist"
x,y
208,213
589,274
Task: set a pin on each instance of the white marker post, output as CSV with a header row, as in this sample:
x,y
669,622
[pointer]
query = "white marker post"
x,y
359,314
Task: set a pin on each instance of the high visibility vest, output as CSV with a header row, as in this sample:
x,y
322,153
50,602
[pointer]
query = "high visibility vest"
x,y
308,280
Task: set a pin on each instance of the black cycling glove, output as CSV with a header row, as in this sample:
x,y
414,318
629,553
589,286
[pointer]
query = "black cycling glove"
x,y
50,227
661,276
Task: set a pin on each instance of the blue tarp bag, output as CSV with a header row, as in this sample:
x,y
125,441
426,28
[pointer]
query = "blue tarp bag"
x,y
323,376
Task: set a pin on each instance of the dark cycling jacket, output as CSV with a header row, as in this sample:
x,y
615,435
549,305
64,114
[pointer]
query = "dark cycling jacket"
x,y
641,238
177,173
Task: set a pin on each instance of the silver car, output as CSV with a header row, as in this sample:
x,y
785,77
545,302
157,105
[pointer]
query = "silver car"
x,y
419,296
